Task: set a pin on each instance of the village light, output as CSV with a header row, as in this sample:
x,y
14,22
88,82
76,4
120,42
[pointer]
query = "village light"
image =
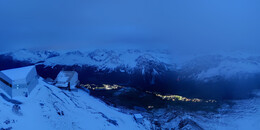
x,y
179,98
150,107
103,87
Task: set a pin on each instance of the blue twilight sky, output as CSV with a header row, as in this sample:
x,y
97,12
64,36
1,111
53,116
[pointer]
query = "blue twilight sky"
x,y
187,25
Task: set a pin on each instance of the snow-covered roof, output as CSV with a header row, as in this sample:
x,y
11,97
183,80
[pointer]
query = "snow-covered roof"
x,y
63,85
18,73
138,116
65,76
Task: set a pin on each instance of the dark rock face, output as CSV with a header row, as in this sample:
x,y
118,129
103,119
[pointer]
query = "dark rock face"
x,y
7,62
164,81
87,74
188,124
91,75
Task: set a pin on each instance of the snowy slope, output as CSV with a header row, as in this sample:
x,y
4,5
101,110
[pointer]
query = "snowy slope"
x,y
245,115
48,107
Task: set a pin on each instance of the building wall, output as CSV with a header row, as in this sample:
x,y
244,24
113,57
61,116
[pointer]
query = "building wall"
x,y
74,81
32,84
31,75
32,79
19,90
24,87
7,89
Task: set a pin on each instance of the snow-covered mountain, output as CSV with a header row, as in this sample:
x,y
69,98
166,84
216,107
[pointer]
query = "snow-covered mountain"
x,y
99,66
152,70
199,67
102,59
48,107
227,66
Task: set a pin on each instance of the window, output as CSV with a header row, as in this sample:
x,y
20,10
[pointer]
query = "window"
x,y
5,82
